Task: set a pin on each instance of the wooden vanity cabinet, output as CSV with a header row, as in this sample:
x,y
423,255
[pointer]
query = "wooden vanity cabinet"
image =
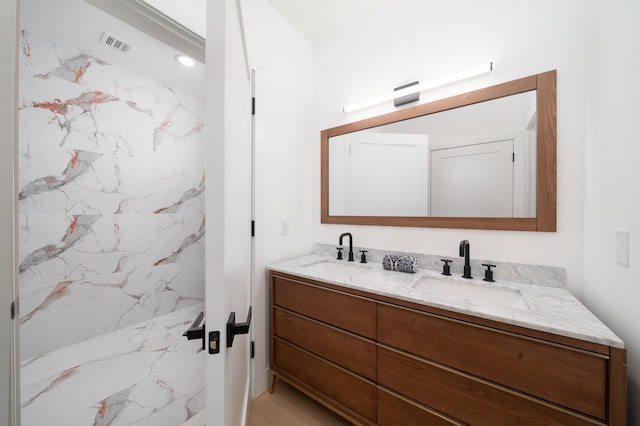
x,y
399,363
568,376
322,342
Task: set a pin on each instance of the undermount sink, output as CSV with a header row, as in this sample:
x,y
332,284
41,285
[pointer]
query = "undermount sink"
x,y
473,292
345,269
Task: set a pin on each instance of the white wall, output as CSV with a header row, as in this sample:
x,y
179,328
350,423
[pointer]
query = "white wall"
x,y
427,40
612,199
285,140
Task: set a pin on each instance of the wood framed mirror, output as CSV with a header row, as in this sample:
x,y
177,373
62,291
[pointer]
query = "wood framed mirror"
x,y
485,159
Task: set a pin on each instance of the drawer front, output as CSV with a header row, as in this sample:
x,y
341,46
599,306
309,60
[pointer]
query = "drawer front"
x,y
571,378
464,397
394,411
351,352
350,313
341,388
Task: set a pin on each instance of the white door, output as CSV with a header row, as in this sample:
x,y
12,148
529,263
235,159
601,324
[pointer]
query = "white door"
x,y
8,112
473,180
228,210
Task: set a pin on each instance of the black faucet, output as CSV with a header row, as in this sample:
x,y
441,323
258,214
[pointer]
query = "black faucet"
x,y
464,252
348,234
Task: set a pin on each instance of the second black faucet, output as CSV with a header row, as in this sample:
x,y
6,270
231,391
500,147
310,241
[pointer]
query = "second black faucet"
x,y
348,234
464,252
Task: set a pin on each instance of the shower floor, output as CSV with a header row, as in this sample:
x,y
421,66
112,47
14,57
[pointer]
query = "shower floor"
x,y
144,374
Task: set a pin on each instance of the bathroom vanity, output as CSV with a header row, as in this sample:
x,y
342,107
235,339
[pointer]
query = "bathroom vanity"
x,y
386,348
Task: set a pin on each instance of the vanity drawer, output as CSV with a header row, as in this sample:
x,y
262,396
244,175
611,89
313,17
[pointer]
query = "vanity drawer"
x,y
465,397
394,410
573,378
342,388
351,313
350,351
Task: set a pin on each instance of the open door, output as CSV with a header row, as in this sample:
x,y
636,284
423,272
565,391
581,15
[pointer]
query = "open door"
x,y
228,262
228,210
8,130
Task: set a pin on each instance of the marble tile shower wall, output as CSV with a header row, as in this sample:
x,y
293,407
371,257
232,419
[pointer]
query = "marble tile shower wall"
x,y
111,202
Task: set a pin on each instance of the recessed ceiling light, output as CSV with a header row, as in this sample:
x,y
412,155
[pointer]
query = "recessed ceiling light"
x,y
186,60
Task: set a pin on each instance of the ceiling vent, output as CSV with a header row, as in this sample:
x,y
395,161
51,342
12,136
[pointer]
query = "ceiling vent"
x,y
116,43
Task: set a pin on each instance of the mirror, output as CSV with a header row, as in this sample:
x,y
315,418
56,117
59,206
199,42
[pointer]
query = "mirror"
x,y
479,160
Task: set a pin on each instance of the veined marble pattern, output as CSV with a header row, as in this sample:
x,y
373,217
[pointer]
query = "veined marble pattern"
x,y
111,197
178,272
43,59
144,374
82,276
546,308
548,276
178,144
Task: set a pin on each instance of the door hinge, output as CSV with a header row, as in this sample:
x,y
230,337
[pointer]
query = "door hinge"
x,y
253,228
253,349
13,310
253,106
513,157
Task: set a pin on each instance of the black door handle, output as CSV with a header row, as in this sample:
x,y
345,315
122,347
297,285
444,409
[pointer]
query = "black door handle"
x,y
234,327
196,331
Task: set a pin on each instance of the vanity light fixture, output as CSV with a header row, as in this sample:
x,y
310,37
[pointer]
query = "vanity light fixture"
x,y
421,87
186,60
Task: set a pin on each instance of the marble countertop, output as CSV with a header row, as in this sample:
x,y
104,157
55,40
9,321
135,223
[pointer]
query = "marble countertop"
x,y
549,309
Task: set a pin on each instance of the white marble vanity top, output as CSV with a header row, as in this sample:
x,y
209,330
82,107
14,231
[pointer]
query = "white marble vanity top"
x,y
548,309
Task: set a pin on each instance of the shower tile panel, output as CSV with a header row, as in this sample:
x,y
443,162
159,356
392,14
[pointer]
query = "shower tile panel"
x,y
84,161
177,237
144,374
98,277
111,181
178,271
178,143
87,119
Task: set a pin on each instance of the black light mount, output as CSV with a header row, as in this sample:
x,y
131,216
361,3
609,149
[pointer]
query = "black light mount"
x,y
407,99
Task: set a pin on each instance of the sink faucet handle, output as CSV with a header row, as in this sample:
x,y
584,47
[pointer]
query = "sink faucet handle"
x,y
363,256
488,274
339,253
446,268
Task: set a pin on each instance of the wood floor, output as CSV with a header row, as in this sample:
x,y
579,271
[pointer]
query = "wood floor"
x,y
287,406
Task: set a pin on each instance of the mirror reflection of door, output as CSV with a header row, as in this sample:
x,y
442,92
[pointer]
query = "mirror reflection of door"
x,y
398,185
473,180
489,176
